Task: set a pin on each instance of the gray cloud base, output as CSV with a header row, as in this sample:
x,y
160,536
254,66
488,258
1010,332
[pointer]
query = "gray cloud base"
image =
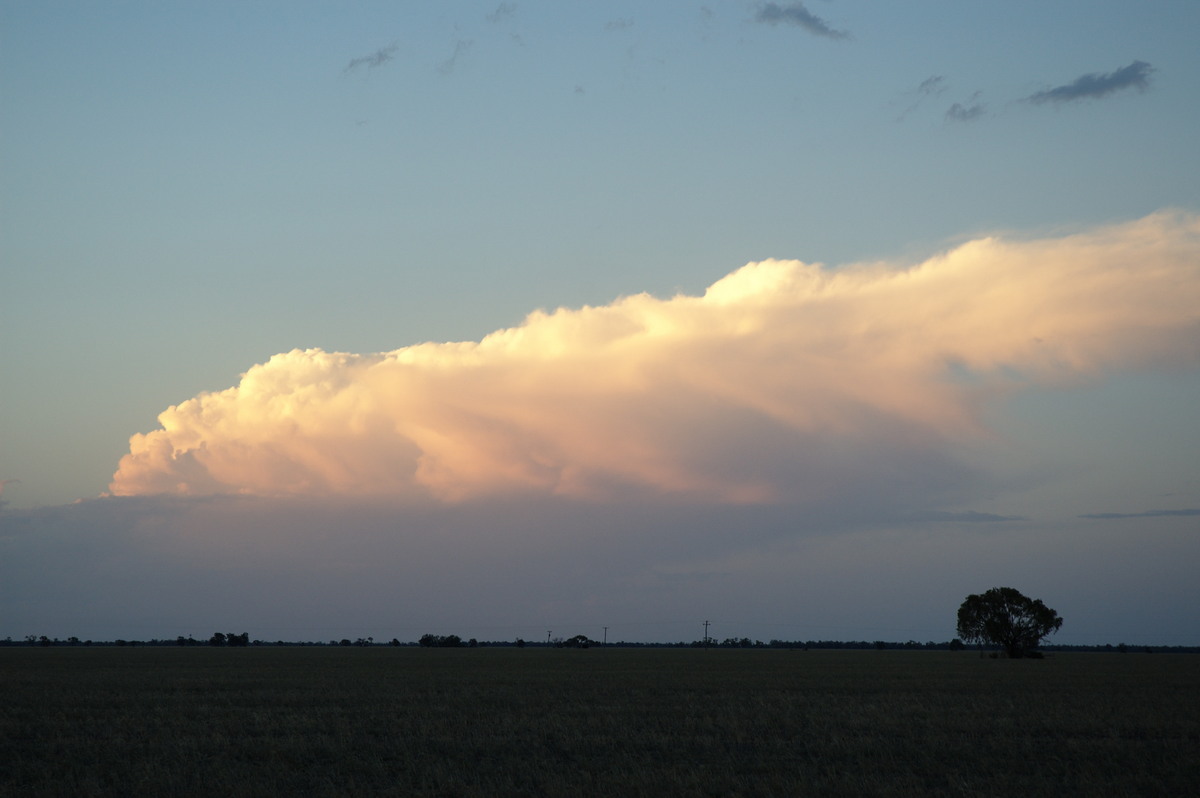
x,y
796,14
1096,85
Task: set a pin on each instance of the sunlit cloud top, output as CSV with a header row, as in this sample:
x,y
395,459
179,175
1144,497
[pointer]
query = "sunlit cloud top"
x,y
781,380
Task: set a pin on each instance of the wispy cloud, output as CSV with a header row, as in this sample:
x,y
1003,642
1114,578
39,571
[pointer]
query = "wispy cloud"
x,y
503,13
375,59
967,112
932,86
965,517
448,66
1095,85
1145,514
765,386
796,14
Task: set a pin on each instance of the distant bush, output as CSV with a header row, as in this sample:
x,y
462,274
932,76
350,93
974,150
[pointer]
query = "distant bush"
x,y
439,641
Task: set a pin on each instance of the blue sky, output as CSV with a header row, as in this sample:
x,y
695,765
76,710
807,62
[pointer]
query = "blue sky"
x,y
189,189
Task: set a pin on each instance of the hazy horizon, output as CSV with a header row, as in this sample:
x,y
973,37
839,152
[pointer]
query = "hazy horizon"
x,y
806,319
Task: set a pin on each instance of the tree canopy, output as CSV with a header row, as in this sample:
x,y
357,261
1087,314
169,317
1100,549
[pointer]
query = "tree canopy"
x,y
1007,618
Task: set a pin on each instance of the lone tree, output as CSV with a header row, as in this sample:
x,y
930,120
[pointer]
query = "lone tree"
x,y
1005,617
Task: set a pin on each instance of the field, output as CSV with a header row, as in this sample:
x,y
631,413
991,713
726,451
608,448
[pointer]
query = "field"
x,y
549,722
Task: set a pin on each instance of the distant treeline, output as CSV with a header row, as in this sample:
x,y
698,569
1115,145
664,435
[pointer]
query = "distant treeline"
x,y
229,639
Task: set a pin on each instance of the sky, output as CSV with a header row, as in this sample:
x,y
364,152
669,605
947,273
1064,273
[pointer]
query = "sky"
x,y
510,319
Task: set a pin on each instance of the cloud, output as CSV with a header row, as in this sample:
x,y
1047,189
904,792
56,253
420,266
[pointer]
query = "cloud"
x,y
1095,85
796,14
619,25
375,59
795,432
966,113
448,66
932,86
1146,514
503,13
967,517
784,382
314,569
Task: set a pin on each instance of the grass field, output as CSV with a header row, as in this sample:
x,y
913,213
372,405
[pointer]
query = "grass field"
x,y
641,722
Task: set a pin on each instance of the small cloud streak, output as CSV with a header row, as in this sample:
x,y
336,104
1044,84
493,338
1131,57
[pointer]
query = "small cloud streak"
x,y
932,86
1096,85
796,14
966,113
967,517
1146,514
935,84
503,13
784,381
448,66
375,59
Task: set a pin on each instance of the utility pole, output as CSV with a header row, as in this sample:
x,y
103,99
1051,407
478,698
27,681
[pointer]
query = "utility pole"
x,y
706,634
605,643
547,638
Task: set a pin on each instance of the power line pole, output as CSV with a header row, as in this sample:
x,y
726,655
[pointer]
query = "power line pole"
x,y
605,643
706,634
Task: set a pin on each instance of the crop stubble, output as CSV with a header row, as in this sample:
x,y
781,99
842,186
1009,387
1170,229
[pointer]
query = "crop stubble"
x,y
499,721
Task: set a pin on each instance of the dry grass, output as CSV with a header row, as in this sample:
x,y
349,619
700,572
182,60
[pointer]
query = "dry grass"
x,y
546,722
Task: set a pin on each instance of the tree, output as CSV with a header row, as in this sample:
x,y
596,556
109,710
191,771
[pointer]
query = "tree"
x,y
1005,617
438,641
578,641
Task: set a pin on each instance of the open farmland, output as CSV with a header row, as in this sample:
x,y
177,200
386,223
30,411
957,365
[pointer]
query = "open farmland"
x,y
652,722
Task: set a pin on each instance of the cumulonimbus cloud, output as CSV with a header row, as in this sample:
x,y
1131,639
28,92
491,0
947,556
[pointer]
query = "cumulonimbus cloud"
x,y
784,380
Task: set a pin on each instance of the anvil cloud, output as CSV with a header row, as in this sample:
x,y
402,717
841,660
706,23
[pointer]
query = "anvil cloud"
x,y
783,380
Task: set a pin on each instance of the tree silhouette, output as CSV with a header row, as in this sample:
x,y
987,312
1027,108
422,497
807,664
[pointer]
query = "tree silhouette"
x,y
1007,618
439,641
